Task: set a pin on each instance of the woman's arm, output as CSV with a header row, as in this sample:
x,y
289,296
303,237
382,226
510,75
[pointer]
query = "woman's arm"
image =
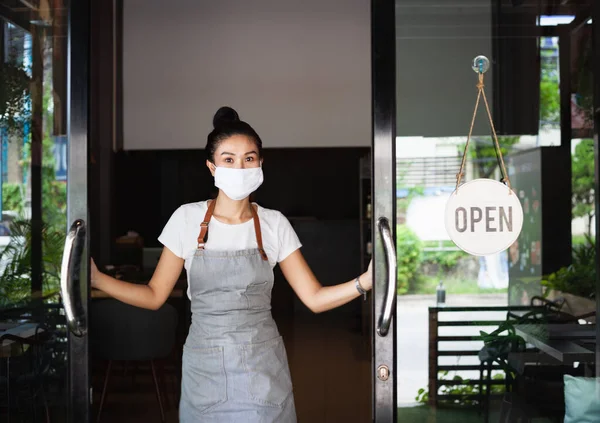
x,y
154,294
316,297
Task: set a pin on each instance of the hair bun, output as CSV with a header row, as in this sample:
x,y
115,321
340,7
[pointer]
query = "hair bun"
x,y
224,116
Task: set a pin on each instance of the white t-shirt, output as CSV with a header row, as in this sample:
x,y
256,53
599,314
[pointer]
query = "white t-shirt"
x,y
180,234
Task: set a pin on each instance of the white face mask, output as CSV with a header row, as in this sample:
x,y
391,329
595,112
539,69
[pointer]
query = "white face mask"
x,y
238,184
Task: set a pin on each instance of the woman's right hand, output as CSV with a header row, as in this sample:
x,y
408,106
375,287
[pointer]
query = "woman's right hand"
x,y
94,273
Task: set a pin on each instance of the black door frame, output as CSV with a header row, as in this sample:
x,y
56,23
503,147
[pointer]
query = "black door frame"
x,y
383,74
596,77
78,83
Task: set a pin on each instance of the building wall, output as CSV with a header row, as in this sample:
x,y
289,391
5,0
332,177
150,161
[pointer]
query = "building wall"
x,y
298,72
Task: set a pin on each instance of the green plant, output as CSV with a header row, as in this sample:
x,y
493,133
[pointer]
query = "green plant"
x,y
455,285
12,197
54,193
466,390
549,100
410,252
483,153
499,343
496,347
15,281
583,181
583,83
504,340
446,260
580,277
402,203
14,96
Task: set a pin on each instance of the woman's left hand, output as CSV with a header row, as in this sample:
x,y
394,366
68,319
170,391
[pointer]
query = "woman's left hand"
x,y
366,279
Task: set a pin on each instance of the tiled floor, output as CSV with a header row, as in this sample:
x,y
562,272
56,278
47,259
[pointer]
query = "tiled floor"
x,y
330,370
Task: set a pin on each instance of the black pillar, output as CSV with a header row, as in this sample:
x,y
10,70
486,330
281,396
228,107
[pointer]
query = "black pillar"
x,y
37,114
103,130
564,57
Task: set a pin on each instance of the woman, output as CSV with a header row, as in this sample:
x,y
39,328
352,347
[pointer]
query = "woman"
x,y
234,362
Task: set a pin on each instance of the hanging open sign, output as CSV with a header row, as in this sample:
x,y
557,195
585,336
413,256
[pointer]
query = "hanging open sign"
x,y
483,217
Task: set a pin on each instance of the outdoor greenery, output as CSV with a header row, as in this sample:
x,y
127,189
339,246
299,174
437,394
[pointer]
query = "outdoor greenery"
x,y
583,181
54,193
409,251
420,270
15,285
580,277
584,82
14,96
15,279
454,285
549,90
549,101
483,154
445,261
466,390
13,197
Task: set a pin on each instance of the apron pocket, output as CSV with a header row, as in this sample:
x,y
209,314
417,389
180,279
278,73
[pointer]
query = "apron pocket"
x,y
266,365
258,295
203,383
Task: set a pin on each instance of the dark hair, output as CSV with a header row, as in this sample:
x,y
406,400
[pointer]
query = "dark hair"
x,y
226,124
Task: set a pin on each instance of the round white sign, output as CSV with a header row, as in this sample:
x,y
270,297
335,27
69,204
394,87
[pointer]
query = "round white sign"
x,y
483,217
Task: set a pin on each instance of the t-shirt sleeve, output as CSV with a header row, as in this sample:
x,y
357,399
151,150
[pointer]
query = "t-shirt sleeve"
x,y
288,240
171,236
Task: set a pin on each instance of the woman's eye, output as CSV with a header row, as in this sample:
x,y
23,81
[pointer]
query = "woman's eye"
x,y
249,159
228,160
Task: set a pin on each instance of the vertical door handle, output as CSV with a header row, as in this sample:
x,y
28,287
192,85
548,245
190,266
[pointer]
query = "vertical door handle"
x,y
389,247
70,278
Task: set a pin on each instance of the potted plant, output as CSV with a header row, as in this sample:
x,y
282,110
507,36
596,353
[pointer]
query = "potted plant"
x,y
15,262
575,283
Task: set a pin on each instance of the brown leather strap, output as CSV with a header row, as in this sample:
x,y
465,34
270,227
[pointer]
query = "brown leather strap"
x,y
206,221
204,224
263,254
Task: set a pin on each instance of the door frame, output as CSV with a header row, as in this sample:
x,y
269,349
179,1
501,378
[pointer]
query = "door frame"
x,y
383,74
78,83
595,12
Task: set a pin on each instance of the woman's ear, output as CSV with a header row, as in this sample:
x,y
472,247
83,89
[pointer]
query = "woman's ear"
x,y
211,166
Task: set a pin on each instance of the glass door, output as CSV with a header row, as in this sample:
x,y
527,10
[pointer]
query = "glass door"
x,y
44,49
508,337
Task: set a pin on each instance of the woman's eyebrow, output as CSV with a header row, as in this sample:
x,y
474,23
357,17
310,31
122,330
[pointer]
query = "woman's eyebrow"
x,y
227,153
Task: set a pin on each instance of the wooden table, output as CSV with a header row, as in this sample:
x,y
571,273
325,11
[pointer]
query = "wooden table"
x,y
559,341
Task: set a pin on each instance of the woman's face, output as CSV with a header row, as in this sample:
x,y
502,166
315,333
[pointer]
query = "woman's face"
x,y
238,152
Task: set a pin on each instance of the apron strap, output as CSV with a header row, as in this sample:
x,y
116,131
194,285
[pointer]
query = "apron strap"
x,y
204,224
258,232
204,228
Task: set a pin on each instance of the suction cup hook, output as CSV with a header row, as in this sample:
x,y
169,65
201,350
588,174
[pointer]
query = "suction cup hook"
x,y
480,64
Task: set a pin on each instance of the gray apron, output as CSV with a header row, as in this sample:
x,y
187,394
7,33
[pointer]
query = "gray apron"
x,y
235,366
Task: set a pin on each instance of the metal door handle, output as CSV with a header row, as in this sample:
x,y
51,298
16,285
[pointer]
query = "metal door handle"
x,y
70,278
389,247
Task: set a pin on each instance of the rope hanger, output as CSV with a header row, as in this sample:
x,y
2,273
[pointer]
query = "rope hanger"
x,y
481,65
